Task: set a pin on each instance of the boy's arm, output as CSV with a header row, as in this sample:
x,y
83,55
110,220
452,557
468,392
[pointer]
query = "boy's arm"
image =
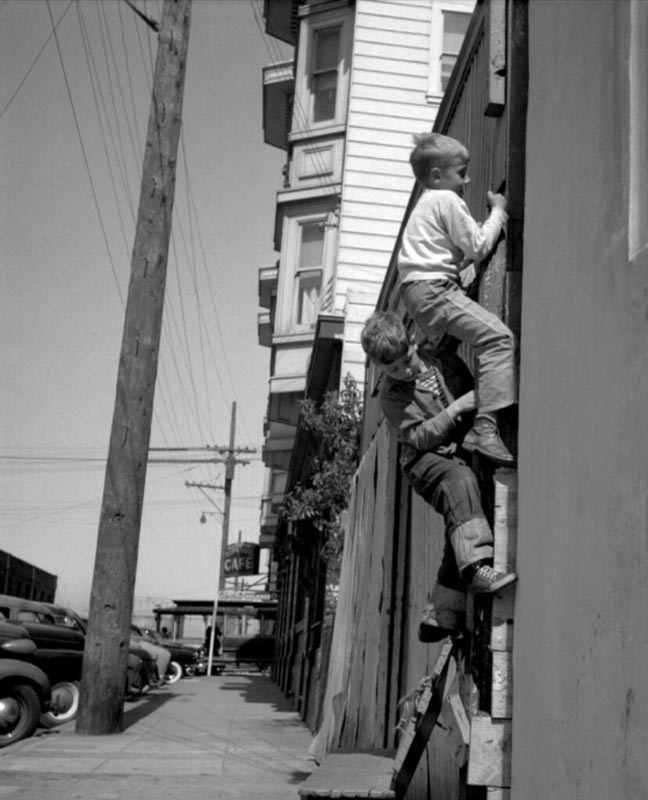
x,y
476,241
412,426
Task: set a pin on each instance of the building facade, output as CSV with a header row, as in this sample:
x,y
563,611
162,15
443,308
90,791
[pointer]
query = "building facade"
x,y
366,75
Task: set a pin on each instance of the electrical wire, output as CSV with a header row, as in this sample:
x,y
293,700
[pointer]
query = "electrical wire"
x,y
83,150
35,61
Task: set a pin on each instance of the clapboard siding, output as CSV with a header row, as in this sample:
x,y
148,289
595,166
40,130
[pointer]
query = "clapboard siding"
x,y
393,156
400,95
363,258
382,211
349,273
371,227
403,47
363,195
382,181
370,75
413,10
402,67
388,122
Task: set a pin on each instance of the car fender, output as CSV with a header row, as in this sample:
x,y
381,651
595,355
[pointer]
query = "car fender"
x,y
14,671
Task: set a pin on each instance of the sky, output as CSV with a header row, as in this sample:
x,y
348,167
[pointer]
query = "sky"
x,y
73,115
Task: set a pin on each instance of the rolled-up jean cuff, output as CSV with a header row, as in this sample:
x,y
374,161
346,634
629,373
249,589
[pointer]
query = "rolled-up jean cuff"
x,y
472,541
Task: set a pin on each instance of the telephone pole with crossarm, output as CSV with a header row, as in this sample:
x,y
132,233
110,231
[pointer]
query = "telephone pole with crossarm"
x,y
111,601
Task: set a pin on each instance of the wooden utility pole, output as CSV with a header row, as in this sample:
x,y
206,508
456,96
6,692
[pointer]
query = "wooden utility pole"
x,y
111,602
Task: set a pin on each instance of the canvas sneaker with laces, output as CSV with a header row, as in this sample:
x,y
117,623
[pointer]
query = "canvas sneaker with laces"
x,y
486,580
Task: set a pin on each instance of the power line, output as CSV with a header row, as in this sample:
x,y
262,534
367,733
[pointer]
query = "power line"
x,y
34,62
83,150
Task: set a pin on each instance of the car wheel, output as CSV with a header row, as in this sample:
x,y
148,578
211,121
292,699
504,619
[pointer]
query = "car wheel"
x,y
173,673
137,683
19,710
64,705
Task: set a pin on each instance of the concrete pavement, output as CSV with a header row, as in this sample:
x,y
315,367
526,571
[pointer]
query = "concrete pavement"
x,y
221,738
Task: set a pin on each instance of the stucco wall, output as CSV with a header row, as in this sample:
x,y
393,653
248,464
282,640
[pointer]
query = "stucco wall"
x,y
581,622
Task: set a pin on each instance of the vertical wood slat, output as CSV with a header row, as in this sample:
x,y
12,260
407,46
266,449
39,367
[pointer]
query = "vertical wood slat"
x,y
505,519
502,686
497,59
502,620
358,687
489,762
498,793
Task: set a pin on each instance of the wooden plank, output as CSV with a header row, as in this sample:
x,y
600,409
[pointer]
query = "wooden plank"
x,y
366,774
502,620
454,719
502,687
422,724
505,519
489,762
497,59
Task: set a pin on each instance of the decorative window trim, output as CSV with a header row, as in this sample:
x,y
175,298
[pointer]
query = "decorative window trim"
x,y
302,121
438,9
288,289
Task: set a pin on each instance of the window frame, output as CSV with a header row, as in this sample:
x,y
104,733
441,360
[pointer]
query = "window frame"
x,y
312,25
288,285
436,89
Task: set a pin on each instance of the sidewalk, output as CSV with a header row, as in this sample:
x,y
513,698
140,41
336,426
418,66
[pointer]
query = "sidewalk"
x,y
231,737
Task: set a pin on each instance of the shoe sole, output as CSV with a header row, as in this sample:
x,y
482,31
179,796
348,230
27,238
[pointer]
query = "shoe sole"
x,y
429,634
495,587
475,448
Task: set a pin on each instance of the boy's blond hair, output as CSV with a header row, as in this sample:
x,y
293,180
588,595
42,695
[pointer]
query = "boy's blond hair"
x,y
434,150
384,338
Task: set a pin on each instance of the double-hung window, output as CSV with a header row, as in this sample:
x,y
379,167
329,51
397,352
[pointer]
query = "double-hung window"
x,y
455,25
324,73
308,274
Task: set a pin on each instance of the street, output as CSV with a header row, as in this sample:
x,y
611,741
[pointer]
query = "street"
x,y
229,737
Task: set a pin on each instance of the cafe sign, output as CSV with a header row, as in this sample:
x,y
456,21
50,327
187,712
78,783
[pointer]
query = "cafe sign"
x,y
242,559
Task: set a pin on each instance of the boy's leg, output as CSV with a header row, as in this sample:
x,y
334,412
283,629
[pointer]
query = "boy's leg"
x,y
452,490
450,487
442,308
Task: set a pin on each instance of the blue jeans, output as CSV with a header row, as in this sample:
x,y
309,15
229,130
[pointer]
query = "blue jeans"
x,y
451,488
442,308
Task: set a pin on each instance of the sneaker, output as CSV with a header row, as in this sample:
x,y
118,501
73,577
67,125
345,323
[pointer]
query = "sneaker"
x,y
486,580
485,439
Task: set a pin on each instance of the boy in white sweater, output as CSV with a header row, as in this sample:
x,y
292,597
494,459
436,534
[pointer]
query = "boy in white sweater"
x,y
440,239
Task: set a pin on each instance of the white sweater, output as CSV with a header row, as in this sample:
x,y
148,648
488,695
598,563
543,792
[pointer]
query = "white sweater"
x,y
441,235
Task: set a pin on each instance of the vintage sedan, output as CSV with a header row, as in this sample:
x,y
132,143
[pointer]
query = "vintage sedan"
x,y
59,640
24,688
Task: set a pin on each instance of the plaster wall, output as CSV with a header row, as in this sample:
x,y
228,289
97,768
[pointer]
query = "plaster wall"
x,y
581,617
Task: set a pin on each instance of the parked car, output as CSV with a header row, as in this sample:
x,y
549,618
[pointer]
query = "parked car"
x,y
183,657
24,688
59,639
142,672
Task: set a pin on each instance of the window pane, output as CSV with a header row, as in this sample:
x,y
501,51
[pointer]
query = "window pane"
x,y
308,289
311,251
447,64
324,79
326,49
324,92
455,25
